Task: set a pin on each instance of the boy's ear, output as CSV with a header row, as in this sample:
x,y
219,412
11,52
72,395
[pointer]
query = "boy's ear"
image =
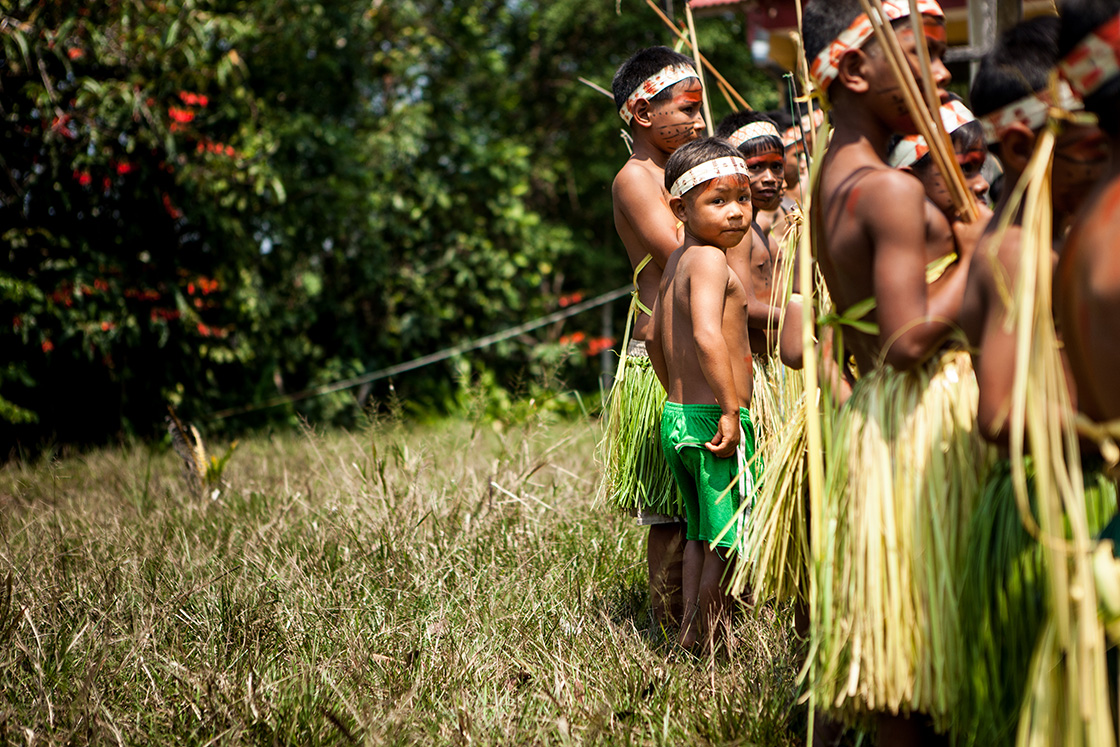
x,y
1016,147
641,112
853,71
676,204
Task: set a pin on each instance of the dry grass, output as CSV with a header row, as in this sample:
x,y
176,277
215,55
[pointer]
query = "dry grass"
x,y
437,585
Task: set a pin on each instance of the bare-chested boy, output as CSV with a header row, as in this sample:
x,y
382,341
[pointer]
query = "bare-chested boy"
x,y
657,93
1088,281
701,352
1004,589
888,546
757,138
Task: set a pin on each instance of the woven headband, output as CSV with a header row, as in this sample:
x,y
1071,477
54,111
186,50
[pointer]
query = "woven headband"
x,y
714,169
826,66
1095,60
913,148
1031,111
654,85
751,131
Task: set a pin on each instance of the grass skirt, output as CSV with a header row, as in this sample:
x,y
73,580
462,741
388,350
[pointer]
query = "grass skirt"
x,y
777,540
635,474
903,474
1005,602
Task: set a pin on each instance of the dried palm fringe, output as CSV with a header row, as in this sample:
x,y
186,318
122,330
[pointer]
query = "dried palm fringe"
x,y
903,476
1069,697
635,474
1005,599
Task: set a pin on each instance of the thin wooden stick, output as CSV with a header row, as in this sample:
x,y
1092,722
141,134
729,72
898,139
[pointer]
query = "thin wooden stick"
x,y
923,56
926,121
703,60
806,85
700,69
726,96
597,87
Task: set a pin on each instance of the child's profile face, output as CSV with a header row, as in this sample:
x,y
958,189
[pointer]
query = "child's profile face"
x,y
767,172
678,119
884,86
971,162
1081,153
717,212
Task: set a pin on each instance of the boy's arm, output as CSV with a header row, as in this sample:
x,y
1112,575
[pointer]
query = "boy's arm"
x,y
912,321
707,292
995,345
642,202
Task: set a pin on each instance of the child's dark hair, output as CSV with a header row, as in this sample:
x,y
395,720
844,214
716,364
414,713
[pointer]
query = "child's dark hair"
x,y
1018,65
1079,19
754,146
640,66
781,117
824,20
695,153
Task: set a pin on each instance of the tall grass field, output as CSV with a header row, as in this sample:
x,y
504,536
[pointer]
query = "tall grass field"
x,y
440,584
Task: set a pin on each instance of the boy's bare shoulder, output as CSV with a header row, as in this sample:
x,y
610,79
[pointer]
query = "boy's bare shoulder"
x,y
640,177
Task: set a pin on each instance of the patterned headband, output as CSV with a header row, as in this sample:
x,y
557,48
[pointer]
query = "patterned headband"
x,y
913,148
654,85
751,131
714,169
1095,60
1031,111
826,66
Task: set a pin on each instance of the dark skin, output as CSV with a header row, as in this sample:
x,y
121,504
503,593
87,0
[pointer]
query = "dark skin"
x,y
867,251
985,314
753,258
700,351
1088,296
647,226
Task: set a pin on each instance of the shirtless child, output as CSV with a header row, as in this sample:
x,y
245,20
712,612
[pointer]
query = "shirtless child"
x,y
702,355
884,595
757,138
1088,280
657,93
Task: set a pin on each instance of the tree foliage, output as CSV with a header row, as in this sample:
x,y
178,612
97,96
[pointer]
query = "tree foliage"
x,y
209,202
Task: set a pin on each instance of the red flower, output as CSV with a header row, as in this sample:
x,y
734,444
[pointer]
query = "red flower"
x,y
173,211
230,151
598,344
83,177
571,298
124,167
106,326
100,285
16,322
204,330
106,183
182,116
48,346
75,53
202,101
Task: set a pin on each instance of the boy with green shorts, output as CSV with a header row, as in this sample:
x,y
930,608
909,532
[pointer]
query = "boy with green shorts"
x,y
701,352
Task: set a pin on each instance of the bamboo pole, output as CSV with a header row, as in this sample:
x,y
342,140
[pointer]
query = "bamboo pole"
x,y
928,122
699,69
703,60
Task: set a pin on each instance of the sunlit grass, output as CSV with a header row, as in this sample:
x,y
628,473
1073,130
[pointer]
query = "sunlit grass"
x,y
451,584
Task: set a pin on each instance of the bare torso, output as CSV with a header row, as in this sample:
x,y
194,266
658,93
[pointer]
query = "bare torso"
x,y
675,350
1087,303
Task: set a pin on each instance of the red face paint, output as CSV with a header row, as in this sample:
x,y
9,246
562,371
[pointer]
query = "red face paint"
x,y
935,31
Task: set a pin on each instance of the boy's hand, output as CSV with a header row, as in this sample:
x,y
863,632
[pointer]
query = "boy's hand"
x,y
968,235
724,443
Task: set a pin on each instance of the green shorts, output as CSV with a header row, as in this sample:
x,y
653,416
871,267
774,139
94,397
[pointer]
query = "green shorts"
x,y
711,488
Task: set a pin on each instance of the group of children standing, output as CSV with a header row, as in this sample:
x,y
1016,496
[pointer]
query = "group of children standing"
x,y
922,592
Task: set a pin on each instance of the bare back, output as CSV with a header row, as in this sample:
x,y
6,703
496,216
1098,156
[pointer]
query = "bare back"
x,y
646,226
675,349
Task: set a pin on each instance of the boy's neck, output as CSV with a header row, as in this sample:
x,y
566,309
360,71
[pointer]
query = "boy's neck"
x,y
644,149
691,241
853,123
